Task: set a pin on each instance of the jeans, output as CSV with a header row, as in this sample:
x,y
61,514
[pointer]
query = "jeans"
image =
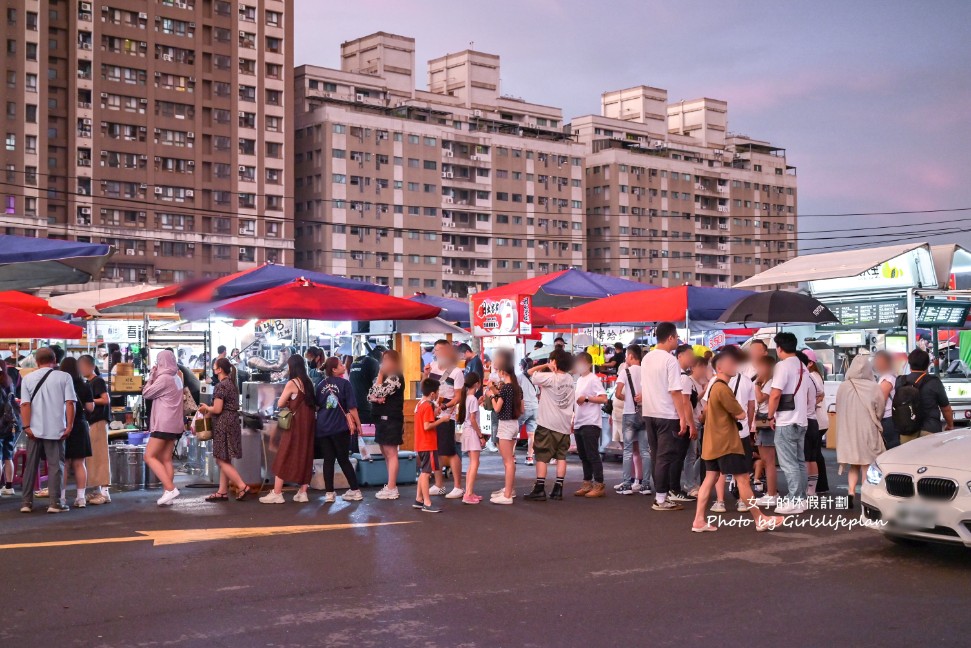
x,y
54,451
790,443
635,430
336,448
588,447
691,475
667,448
891,439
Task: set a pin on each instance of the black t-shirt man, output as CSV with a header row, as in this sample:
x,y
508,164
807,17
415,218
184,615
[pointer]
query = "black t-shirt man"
x,y
99,387
932,398
364,370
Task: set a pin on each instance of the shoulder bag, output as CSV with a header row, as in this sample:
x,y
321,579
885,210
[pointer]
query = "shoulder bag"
x,y
787,402
633,392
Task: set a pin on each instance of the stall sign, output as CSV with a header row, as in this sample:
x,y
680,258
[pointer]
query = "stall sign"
x,y
715,339
866,314
117,331
943,313
276,328
912,269
503,316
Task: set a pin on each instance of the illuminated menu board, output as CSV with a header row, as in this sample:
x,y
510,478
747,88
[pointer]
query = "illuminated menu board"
x,y
943,313
878,314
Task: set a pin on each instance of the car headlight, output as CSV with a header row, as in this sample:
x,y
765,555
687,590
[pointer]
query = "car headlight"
x,y
873,474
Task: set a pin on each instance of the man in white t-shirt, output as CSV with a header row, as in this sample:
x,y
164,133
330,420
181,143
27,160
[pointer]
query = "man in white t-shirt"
x,y
787,414
667,415
444,369
588,424
628,388
47,409
554,420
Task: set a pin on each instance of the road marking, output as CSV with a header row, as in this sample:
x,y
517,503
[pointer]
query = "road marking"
x,y
185,536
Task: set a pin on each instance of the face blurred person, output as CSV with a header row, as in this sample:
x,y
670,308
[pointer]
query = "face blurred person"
x,y
887,380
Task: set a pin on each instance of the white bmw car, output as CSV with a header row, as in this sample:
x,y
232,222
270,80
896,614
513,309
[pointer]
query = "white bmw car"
x,y
921,491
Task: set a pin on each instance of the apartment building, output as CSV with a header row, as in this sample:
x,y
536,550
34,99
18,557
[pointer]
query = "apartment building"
x,y
161,127
672,197
447,190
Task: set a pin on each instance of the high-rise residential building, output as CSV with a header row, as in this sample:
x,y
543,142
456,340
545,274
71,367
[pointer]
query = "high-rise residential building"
x,y
446,190
162,127
672,197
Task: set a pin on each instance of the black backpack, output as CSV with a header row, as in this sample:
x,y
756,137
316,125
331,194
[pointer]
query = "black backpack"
x,y
906,405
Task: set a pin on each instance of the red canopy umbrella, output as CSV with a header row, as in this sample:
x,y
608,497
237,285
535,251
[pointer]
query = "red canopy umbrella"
x,y
674,304
29,303
304,299
16,323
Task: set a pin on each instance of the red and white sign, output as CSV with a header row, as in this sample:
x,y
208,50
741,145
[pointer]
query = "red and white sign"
x,y
503,316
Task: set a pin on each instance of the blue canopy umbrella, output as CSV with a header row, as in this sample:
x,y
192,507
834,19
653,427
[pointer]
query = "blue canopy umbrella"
x,y
27,262
453,310
271,275
567,288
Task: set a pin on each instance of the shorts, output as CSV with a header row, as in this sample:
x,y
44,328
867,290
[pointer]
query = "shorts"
x,y
730,464
748,448
167,436
508,430
6,448
389,432
427,461
548,444
814,441
446,439
529,420
766,437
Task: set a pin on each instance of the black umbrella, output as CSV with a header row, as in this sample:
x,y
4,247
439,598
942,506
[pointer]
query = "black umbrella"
x,y
778,307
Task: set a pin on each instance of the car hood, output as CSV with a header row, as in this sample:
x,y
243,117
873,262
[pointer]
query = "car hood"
x,y
942,450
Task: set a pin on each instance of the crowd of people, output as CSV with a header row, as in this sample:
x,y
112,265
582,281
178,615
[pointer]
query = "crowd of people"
x,y
692,427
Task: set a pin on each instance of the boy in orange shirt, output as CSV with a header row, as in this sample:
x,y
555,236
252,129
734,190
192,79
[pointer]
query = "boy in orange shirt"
x,y
426,443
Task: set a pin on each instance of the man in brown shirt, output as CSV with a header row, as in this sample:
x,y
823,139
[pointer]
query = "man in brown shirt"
x,y
722,449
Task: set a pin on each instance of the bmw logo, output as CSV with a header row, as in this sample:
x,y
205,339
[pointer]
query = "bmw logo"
x,y
922,470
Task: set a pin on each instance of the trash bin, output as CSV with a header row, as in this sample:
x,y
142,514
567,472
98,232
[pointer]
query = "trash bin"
x,y
127,463
250,465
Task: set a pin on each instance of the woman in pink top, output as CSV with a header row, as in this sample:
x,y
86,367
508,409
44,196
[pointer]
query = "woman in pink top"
x,y
167,423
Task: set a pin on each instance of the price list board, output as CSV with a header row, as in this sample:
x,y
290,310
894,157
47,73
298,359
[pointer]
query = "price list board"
x,y
879,314
943,313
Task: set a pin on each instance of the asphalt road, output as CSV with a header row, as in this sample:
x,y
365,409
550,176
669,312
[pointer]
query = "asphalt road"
x,y
607,572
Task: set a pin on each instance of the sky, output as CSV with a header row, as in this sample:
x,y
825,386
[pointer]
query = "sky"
x,y
872,100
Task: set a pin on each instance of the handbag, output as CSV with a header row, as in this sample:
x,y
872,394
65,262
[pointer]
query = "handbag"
x,y
787,402
284,418
189,406
202,427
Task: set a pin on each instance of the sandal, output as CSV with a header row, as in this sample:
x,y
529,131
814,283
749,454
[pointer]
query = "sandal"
x,y
241,494
218,497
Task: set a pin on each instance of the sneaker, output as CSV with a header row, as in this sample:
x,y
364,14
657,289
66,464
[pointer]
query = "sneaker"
x,y
499,499
430,509
272,497
107,497
741,506
646,490
57,508
79,502
435,490
501,491
538,494
530,461
27,508
330,498
455,493
491,447
6,492
624,489
387,494
585,488
352,496
765,501
301,497
41,493
597,490
636,486
680,496
96,499
693,493
667,505
617,487
417,505
471,499
168,497
718,507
